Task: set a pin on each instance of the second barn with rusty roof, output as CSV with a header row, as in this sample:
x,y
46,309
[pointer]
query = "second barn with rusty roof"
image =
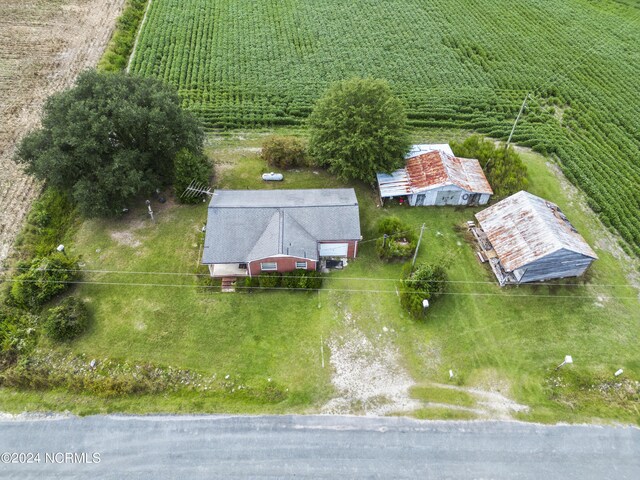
x,y
526,238
433,175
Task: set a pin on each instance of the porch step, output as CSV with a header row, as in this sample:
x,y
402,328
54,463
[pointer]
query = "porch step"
x,y
228,284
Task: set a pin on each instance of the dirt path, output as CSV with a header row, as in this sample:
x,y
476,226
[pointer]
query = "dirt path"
x,y
369,379
44,44
368,375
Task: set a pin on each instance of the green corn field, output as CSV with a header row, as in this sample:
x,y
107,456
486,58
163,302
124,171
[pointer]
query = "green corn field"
x,y
455,63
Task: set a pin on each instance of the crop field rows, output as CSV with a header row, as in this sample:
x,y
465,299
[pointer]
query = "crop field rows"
x,y
455,63
43,45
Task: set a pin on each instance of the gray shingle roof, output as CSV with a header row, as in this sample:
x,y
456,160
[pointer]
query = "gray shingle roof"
x,y
246,225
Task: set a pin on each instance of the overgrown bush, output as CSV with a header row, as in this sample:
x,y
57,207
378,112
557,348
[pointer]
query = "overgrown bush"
x,y
302,279
189,167
251,282
50,218
283,152
18,334
67,320
427,282
116,56
44,278
503,167
270,280
292,279
314,280
295,280
396,239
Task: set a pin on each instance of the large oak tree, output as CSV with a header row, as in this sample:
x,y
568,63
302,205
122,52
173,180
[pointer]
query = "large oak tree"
x,y
109,138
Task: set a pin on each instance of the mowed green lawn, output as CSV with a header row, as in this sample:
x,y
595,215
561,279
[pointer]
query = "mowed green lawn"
x,y
507,339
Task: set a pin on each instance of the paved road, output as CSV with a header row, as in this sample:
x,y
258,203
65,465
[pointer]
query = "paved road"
x,y
159,447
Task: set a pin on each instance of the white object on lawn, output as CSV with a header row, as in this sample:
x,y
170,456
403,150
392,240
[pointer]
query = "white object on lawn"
x,y
567,359
272,177
618,373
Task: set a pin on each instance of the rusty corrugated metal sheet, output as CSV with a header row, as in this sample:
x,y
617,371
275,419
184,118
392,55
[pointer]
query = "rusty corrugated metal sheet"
x,y
437,168
524,228
395,184
421,148
473,176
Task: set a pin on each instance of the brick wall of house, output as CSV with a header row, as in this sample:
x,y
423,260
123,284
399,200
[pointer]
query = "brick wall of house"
x,y
285,264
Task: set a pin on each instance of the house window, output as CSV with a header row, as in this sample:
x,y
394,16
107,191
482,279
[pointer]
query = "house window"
x,y
268,266
301,265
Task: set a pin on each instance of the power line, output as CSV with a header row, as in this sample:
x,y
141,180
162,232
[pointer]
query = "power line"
x,y
357,290
370,279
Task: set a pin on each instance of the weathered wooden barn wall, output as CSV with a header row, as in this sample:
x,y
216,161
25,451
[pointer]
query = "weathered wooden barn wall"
x,y
561,264
447,195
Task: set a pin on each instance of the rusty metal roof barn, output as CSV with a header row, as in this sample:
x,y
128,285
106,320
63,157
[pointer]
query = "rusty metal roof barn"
x,y
436,169
426,169
524,228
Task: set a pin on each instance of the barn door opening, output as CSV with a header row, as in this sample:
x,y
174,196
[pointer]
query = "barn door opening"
x,y
474,199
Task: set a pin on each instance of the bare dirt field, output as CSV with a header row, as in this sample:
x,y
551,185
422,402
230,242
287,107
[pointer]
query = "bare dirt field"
x,y
44,44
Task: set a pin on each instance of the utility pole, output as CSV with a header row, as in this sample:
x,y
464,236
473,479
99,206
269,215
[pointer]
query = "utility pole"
x,y
524,102
415,254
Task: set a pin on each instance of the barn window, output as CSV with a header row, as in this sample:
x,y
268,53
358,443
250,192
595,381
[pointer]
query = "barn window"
x,y
268,266
301,265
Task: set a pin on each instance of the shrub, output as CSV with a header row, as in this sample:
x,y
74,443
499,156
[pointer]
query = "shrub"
x,y
314,280
45,278
503,167
18,334
67,320
189,167
251,282
397,239
427,282
293,279
283,152
117,54
303,279
51,216
270,280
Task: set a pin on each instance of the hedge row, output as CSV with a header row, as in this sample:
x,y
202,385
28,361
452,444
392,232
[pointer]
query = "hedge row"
x,y
298,279
116,56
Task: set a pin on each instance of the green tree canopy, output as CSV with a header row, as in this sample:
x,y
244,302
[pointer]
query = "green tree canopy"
x,y
358,128
505,171
427,282
109,138
190,167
